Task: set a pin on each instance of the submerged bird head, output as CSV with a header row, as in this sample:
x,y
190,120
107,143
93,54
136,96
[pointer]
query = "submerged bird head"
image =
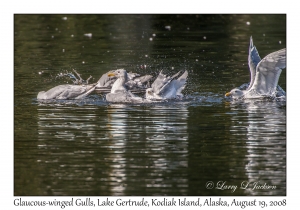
x,y
235,93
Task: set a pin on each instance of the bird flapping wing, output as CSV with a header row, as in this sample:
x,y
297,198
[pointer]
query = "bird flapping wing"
x,y
253,60
160,82
74,91
268,71
173,86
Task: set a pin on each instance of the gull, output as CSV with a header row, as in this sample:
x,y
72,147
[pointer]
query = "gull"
x,y
167,87
66,92
79,90
119,92
134,83
264,75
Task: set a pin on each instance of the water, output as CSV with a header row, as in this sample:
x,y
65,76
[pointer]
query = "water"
x,y
91,147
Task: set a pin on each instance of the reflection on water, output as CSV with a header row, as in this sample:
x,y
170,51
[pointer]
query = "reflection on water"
x,y
264,126
82,151
170,148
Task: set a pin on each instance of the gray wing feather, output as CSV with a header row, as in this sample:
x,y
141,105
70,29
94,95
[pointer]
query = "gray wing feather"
x,y
72,91
268,71
131,75
177,85
89,90
253,60
167,84
52,93
143,79
160,82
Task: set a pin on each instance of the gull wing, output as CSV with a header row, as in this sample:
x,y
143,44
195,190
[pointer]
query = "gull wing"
x,y
175,86
179,84
143,79
52,93
253,60
88,91
268,71
160,82
76,91
131,75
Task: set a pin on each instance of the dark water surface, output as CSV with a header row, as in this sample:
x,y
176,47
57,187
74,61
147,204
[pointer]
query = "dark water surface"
x,y
91,147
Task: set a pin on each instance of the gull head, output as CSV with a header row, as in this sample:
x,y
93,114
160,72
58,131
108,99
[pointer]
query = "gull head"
x,y
120,73
119,84
235,93
149,93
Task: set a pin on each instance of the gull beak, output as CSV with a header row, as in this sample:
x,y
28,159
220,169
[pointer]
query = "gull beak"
x,y
228,94
111,74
